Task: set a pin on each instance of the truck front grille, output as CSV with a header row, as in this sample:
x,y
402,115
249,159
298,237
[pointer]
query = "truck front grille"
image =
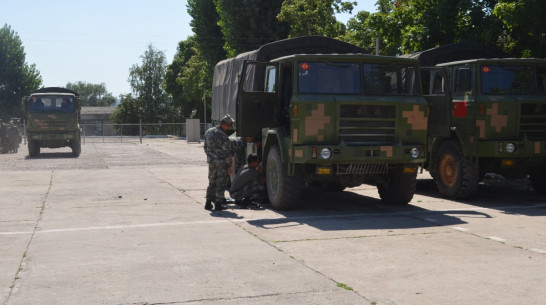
x,y
362,169
367,124
533,121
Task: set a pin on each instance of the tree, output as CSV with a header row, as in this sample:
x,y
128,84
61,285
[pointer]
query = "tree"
x,y
92,94
148,101
17,78
248,24
524,32
406,26
314,17
188,77
208,35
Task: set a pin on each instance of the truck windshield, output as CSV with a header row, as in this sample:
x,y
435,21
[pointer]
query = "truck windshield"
x,y
328,77
390,79
509,80
51,103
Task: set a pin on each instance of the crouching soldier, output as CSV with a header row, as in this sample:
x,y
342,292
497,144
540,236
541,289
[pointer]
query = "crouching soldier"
x,y
248,186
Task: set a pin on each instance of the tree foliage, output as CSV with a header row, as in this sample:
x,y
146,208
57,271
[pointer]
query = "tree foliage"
x,y
405,26
314,17
17,78
208,35
92,94
148,100
525,27
248,24
188,78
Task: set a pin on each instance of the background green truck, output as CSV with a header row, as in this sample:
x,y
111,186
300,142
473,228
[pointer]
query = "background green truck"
x,y
487,115
52,120
327,115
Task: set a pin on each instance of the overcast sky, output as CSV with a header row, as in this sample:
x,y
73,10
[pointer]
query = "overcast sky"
x,y
99,41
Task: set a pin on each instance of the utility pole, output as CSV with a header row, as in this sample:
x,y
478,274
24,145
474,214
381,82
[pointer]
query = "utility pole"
x,y
205,108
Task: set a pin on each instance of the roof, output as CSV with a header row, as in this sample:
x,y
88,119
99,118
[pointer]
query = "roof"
x,y
456,52
55,90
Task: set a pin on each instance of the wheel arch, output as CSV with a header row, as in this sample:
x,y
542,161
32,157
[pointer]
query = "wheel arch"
x,y
436,143
274,137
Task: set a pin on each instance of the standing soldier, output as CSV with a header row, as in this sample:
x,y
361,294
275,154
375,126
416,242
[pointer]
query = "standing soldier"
x,y
219,155
13,138
3,137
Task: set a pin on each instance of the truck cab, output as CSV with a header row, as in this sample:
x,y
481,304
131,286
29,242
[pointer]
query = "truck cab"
x,y
489,118
52,120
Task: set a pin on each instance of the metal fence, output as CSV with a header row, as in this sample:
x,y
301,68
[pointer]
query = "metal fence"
x,y
93,133
110,133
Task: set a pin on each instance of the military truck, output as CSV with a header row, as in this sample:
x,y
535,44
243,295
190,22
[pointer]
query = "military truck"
x,y
487,115
328,115
52,120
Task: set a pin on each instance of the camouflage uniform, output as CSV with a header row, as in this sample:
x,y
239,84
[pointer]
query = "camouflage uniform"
x,y
13,139
247,184
3,138
218,149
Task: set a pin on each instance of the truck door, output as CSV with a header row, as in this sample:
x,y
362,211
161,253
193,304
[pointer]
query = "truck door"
x,y
257,98
436,92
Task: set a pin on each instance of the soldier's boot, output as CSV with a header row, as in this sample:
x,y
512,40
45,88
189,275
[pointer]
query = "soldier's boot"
x,y
208,205
219,205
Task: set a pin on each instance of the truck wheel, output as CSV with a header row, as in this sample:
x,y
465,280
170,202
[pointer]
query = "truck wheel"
x,y
455,176
33,148
399,188
76,148
538,180
283,190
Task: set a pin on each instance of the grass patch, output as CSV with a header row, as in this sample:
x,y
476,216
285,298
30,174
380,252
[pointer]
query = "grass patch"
x,y
344,286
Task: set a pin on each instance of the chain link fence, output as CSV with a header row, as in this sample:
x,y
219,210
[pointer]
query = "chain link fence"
x,y
104,133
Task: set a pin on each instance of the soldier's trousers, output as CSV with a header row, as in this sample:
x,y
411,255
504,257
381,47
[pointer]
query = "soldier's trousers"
x,y
217,181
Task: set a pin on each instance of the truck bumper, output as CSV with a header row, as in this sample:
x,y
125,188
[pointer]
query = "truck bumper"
x,y
53,140
398,154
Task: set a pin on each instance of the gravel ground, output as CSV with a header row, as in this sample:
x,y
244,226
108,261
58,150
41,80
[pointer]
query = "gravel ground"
x,y
153,152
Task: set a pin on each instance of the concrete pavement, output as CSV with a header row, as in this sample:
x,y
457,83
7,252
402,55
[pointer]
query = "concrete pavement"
x,y
125,224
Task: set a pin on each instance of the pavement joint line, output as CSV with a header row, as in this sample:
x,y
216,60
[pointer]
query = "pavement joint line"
x,y
460,229
495,238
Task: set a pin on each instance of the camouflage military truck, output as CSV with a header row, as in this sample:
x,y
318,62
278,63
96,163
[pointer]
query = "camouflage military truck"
x,y
327,115
52,116
486,116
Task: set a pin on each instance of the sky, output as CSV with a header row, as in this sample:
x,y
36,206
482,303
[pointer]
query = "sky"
x,y
99,41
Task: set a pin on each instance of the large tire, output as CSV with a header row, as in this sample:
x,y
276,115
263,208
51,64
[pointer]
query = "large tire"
x,y
455,176
33,148
538,179
399,187
284,191
76,148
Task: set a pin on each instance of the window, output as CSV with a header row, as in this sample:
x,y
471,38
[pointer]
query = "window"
x,y
51,103
260,78
463,80
316,77
507,79
390,79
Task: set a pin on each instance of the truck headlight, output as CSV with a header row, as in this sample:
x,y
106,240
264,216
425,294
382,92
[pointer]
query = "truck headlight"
x,y
415,153
510,147
326,153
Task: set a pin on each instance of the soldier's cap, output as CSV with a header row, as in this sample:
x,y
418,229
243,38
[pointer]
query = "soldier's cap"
x,y
227,119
